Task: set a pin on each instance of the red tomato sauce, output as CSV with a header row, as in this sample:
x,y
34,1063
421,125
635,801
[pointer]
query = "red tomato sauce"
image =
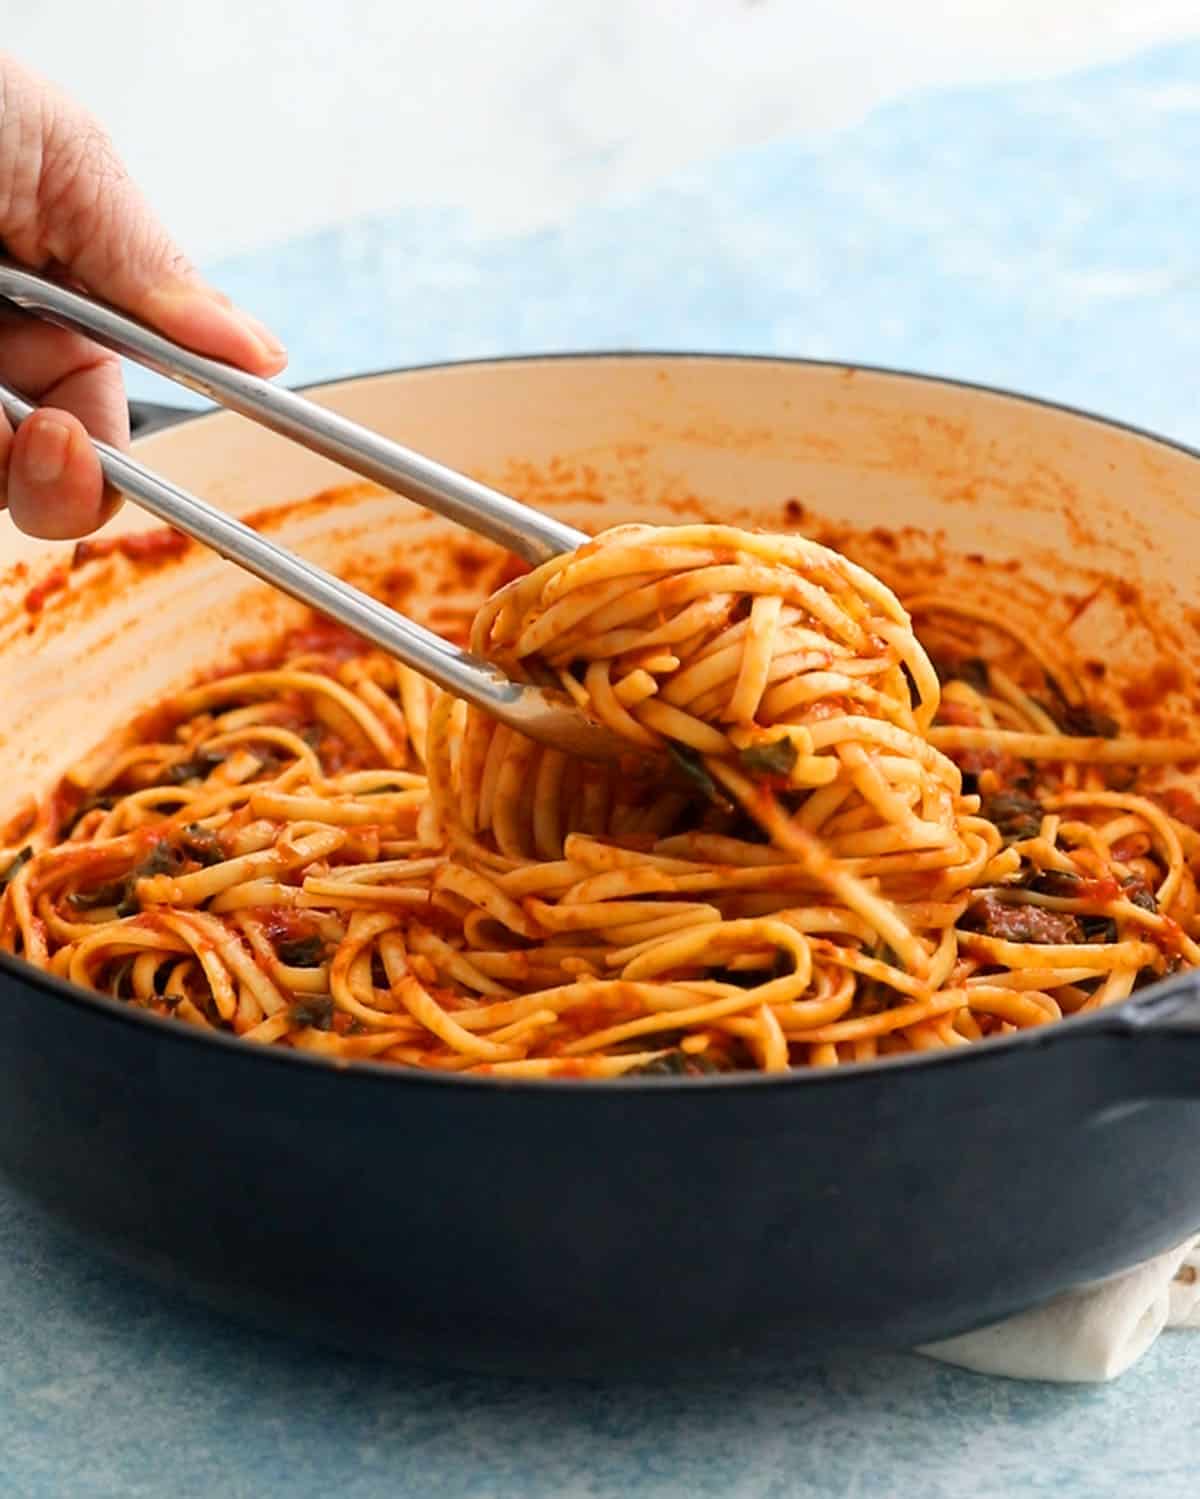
x,y
53,582
158,545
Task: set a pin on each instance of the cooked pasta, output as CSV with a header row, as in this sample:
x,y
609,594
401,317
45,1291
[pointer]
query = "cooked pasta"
x,y
820,850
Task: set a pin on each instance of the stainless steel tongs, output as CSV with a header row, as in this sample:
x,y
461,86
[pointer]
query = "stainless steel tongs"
x,y
544,715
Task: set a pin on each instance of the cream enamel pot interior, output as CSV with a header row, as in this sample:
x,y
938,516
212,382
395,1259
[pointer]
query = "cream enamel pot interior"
x,y
578,1227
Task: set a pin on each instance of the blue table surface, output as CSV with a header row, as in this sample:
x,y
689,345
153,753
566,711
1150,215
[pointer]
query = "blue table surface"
x,y
1041,236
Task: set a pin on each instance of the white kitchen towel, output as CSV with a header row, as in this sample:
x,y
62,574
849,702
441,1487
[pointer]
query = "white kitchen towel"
x,y
1091,1334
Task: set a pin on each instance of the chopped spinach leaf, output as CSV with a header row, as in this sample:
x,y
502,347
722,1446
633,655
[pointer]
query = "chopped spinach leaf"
x,y
1137,893
1077,719
677,1064
1098,928
100,895
1014,814
301,952
774,759
16,866
693,768
164,858
315,1012
196,768
201,844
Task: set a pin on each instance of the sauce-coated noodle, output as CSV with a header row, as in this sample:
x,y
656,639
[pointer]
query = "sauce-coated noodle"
x,y
816,853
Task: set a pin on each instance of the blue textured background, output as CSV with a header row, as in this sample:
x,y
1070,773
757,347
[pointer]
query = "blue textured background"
x,y
1039,236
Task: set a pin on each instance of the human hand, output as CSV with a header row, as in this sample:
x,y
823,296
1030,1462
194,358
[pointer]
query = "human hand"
x,y
67,205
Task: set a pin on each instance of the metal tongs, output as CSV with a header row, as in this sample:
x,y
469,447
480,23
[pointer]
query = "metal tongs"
x,y
542,714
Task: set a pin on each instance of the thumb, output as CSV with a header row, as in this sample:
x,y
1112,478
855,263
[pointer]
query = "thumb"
x,y
66,199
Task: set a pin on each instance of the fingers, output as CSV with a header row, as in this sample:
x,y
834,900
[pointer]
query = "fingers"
x,y
52,366
65,198
67,203
48,470
55,487
195,315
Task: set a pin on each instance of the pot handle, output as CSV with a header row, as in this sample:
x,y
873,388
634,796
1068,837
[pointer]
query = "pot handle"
x,y
149,416
1163,1029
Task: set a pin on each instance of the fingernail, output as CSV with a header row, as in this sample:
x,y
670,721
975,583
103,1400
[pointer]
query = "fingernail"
x,y
44,456
261,332
200,316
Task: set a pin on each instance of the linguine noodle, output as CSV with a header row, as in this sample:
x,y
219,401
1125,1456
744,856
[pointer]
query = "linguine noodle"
x,y
819,850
